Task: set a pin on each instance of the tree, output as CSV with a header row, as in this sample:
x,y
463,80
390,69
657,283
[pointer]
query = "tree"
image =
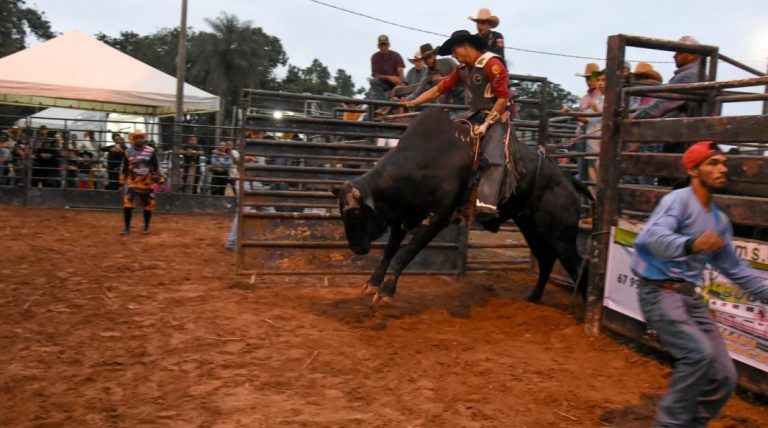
x,y
343,83
158,49
16,22
557,98
233,56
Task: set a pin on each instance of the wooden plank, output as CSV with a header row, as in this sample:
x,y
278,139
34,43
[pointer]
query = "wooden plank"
x,y
740,209
722,128
746,169
607,210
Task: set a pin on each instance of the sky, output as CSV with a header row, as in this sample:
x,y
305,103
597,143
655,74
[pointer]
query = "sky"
x,y
339,39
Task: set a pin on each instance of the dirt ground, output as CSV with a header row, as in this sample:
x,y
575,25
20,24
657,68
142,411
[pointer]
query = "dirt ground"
x,y
103,330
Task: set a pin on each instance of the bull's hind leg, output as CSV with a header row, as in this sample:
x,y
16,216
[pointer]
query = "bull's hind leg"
x,y
396,235
419,240
546,259
572,262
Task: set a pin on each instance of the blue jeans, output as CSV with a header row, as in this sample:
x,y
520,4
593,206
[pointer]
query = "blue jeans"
x,y
704,375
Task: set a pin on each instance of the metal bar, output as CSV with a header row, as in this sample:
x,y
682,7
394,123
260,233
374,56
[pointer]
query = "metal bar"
x,y
543,122
740,98
339,99
737,64
607,190
683,87
666,45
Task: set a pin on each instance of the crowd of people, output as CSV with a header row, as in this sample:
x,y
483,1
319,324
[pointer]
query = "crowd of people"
x,y
58,159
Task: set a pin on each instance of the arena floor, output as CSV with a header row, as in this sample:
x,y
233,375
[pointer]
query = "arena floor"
x,y
103,330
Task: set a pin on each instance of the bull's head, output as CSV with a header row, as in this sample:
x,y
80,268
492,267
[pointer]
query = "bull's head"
x,y
361,223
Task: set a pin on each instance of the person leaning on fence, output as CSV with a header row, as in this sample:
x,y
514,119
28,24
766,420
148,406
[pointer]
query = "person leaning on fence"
x,y
437,70
486,21
685,232
386,70
221,162
417,72
488,91
190,165
115,155
140,169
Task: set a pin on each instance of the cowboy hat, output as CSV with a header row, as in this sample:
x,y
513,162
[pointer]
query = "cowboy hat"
x,y
484,14
415,57
132,136
645,70
426,50
460,37
589,70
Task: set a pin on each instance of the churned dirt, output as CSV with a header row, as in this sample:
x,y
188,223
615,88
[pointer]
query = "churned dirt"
x,y
103,330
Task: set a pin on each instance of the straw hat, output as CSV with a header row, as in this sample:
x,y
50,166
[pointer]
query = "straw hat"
x,y
415,57
132,136
484,14
645,70
590,69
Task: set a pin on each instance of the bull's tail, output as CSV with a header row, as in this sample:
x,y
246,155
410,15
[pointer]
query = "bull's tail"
x,y
578,185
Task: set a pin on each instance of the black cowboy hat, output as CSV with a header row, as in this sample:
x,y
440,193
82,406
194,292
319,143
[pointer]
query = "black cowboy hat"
x,y
460,37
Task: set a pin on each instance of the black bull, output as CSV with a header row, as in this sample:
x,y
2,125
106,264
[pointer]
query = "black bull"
x,y
419,185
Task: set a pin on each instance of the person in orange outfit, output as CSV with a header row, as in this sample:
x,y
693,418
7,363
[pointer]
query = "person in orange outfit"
x,y
140,168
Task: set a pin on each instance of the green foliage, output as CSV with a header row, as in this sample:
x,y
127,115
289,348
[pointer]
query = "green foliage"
x,y
16,22
235,55
557,98
158,49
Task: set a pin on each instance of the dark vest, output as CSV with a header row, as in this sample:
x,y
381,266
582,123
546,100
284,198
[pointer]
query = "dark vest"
x,y
479,94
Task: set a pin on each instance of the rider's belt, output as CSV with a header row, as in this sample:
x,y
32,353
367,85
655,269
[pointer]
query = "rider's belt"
x,y
678,286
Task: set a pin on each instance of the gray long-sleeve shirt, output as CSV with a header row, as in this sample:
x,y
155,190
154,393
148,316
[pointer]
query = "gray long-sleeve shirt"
x,y
660,248
671,108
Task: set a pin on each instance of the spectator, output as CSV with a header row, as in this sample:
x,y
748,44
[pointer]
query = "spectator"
x,y
18,162
42,135
85,170
115,155
5,158
645,75
437,70
417,72
386,70
485,22
221,162
190,165
45,171
687,72
71,160
234,172
58,141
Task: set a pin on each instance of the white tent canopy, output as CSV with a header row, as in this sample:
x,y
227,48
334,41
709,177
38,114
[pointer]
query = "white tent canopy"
x,y
77,71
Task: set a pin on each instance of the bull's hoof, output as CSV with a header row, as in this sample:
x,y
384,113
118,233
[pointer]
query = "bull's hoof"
x,y
533,299
369,289
382,300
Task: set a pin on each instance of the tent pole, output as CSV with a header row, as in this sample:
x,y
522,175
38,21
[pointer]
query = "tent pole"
x,y
181,66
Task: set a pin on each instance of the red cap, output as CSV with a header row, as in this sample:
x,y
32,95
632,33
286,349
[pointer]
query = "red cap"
x,y
698,153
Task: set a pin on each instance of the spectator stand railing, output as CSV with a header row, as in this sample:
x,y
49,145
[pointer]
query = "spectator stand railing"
x,y
746,203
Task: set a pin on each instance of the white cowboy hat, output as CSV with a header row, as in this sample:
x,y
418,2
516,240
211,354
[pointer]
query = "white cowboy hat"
x,y
484,14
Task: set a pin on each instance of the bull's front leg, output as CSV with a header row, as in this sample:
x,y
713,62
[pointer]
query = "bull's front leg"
x,y
423,236
396,235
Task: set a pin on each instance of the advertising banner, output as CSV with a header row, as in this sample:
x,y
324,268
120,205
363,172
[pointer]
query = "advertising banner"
x,y
742,318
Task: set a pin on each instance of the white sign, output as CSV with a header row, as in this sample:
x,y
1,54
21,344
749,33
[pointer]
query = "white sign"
x,y
743,320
